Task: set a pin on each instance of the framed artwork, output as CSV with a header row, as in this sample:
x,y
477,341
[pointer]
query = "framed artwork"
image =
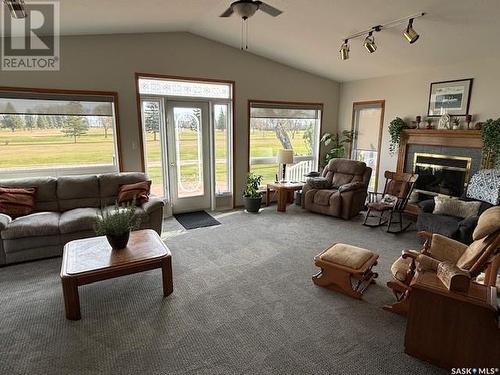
x,y
450,97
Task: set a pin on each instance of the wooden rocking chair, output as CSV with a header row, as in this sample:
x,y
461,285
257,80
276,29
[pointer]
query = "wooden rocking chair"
x,y
397,190
483,255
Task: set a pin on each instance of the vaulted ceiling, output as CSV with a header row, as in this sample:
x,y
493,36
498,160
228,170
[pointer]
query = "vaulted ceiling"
x,y
309,32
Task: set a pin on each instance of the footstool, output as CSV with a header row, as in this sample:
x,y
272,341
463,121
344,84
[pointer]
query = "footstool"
x,y
346,269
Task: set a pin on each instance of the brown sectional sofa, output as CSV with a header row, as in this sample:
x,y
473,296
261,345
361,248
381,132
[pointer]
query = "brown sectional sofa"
x,y
66,209
346,196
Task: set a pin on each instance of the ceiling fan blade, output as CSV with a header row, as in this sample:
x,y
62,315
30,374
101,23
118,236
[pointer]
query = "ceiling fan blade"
x,y
266,8
228,12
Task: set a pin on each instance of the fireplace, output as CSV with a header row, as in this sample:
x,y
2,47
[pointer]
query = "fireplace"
x,y
441,174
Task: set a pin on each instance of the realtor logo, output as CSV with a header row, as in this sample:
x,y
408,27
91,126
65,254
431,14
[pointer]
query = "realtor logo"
x,y
31,43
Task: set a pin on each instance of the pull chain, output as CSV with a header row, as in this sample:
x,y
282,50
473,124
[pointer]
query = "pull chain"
x,y
242,29
246,34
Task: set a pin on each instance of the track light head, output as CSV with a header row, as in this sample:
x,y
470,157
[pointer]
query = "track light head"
x,y
344,50
410,34
17,8
370,43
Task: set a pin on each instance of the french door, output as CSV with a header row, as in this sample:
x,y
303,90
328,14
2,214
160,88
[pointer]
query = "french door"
x,y
188,155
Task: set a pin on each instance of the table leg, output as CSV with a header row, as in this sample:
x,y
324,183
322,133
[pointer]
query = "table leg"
x,y
268,191
71,298
282,200
166,272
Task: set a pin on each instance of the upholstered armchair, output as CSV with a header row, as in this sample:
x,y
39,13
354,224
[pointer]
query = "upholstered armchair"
x,y
346,194
483,255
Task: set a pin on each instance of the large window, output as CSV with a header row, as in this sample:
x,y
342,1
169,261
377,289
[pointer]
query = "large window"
x,y
47,133
284,126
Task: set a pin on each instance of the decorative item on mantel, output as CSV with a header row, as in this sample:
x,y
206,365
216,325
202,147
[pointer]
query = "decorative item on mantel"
x,y
444,121
416,123
468,120
456,123
429,123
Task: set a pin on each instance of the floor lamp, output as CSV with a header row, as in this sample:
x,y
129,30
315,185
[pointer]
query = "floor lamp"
x,y
284,157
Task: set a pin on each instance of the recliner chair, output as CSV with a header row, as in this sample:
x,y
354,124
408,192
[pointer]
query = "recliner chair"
x,y
347,193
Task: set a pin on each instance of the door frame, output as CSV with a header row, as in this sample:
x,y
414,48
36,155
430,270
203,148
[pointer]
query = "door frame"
x,y
232,102
206,152
380,132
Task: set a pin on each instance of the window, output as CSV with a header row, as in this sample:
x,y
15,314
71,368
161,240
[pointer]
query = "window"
x,y
367,126
52,133
193,89
284,126
222,143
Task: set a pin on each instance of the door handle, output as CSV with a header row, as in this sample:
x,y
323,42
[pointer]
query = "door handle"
x,y
172,164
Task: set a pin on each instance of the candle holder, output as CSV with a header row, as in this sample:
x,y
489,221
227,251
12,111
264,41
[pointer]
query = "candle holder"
x,y
468,120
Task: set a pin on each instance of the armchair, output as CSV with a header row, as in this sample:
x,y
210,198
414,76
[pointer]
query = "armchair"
x,y
347,193
482,255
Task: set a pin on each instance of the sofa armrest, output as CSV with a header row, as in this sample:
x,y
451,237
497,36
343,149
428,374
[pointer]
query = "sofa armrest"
x,y
4,221
351,186
427,205
153,204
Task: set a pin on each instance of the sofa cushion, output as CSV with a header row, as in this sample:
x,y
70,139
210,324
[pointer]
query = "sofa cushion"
x,y
471,255
34,225
45,197
78,192
17,201
25,243
442,224
455,207
322,197
340,179
138,191
488,223
347,255
78,220
110,183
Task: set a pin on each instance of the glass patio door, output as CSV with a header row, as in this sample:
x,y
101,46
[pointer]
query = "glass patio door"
x,y
188,156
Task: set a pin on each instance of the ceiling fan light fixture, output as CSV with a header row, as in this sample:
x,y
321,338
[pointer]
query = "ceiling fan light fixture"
x,y
410,34
17,8
344,50
370,43
245,9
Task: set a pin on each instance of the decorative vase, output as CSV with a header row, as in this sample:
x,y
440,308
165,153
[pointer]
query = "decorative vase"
x,y
118,242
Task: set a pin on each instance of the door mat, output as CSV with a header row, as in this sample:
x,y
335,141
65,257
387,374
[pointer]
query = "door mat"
x,y
197,219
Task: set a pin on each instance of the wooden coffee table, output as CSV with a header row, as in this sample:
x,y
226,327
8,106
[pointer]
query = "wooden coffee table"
x,y
92,259
284,191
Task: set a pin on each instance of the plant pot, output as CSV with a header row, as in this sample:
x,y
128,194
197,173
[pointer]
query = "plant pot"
x,y
252,204
118,242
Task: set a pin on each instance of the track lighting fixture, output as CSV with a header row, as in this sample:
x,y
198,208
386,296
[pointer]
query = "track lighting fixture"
x,y
17,8
344,50
370,43
410,34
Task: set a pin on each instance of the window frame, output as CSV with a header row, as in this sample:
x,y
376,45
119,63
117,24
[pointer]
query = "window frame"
x,y
280,104
71,170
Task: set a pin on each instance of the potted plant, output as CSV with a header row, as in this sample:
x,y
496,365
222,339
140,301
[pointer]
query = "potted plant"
x,y
396,127
116,225
336,144
490,133
252,197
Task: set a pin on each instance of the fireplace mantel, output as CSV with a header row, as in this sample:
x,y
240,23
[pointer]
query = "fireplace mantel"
x,y
448,138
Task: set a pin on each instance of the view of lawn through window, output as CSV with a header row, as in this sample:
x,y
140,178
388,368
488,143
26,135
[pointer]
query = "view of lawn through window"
x,y
274,127
39,131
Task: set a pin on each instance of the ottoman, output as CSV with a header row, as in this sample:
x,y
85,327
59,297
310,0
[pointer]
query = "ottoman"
x,y
346,269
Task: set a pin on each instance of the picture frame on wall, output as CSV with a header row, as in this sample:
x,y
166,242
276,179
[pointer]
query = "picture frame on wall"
x,y
450,97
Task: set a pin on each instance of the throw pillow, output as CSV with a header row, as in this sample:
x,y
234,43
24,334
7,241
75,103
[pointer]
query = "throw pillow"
x,y
455,207
17,201
140,191
319,183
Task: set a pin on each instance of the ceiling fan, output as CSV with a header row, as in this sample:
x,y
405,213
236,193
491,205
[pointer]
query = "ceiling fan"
x,y
247,8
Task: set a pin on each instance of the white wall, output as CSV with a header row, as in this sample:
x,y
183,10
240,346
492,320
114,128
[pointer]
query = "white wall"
x,y
108,62
407,96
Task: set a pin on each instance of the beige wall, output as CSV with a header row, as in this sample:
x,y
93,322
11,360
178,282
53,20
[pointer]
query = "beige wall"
x,y
407,95
108,62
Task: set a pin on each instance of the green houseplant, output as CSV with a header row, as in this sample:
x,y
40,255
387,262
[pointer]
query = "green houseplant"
x,y
336,145
252,197
396,127
116,225
490,133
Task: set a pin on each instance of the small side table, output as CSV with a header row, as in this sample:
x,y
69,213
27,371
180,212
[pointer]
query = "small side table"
x,y
284,191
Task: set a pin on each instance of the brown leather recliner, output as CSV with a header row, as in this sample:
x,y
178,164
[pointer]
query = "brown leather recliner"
x,y
346,197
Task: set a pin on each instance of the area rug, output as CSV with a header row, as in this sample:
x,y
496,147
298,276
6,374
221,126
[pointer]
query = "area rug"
x,y
197,219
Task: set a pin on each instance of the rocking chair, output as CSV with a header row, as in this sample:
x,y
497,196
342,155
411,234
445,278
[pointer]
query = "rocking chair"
x,y
397,190
483,255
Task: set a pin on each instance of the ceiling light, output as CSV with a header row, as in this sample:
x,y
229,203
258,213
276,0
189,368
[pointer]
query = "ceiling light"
x,y
370,43
410,34
17,8
245,9
344,50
